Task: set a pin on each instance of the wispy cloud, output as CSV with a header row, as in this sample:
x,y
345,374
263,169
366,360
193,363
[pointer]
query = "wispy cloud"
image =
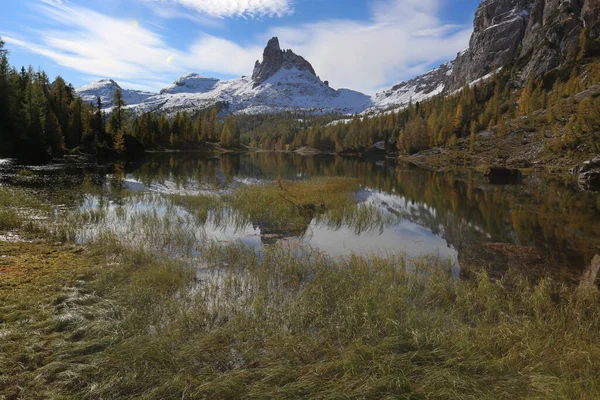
x,y
236,8
400,39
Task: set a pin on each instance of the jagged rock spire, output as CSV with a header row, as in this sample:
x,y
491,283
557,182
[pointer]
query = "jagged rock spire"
x,y
274,59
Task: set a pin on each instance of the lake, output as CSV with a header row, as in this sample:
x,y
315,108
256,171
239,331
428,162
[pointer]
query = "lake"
x,y
540,225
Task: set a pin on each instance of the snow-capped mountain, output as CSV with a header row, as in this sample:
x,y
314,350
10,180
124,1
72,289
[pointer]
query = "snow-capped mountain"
x,y
105,89
282,81
417,89
191,83
535,34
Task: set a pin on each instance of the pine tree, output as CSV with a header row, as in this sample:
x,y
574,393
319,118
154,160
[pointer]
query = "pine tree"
x,y
116,118
53,133
75,129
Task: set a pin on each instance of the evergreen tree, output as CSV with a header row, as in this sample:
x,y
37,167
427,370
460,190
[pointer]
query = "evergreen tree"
x,y
115,121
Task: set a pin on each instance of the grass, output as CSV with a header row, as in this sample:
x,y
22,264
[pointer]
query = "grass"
x,y
177,316
288,208
20,209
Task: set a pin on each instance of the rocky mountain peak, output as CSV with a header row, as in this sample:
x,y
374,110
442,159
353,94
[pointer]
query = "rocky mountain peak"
x,y
539,35
274,59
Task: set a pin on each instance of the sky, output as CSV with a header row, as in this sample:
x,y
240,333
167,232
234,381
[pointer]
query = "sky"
x,y
365,45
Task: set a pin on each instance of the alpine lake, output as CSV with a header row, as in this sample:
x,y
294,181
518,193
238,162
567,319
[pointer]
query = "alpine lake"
x,y
540,225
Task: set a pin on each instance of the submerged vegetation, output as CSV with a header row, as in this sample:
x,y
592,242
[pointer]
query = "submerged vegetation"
x,y
177,315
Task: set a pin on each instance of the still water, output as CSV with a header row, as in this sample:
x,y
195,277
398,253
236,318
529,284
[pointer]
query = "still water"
x,y
542,224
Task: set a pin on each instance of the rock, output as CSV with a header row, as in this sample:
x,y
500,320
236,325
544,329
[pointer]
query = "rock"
x,y
503,175
30,152
588,174
589,180
536,35
498,29
274,59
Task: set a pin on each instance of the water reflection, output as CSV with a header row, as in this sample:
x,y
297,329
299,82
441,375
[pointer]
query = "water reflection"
x,y
543,222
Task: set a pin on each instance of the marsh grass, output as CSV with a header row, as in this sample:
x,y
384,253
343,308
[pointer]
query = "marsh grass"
x,y
20,209
289,209
175,315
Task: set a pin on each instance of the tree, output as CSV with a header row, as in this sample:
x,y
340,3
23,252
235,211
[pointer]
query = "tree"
x,y
120,142
230,134
200,129
99,121
6,94
53,133
75,131
473,137
213,125
115,122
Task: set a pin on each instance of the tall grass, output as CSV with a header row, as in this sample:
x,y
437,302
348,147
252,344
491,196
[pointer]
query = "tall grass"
x,y
173,314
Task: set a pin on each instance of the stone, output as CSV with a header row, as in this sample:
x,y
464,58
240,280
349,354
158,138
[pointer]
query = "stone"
x,y
588,174
498,29
537,35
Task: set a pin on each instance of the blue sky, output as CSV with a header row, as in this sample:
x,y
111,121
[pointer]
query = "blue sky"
x,y
366,45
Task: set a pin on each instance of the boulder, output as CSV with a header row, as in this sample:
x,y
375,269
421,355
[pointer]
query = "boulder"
x,y
588,174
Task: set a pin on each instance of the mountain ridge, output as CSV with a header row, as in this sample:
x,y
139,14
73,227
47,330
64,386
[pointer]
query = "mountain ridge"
x,y
539,35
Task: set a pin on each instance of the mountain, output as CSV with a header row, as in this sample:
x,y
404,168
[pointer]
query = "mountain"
x,y
282,81
105,88
191,83
417,89
536,35
274,59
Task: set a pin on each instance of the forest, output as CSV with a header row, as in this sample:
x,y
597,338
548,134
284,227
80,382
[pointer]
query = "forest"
x,y
49,117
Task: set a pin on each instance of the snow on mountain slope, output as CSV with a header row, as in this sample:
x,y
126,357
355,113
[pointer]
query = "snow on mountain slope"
x,y
417,89
105,88
283,81
191,83
287,89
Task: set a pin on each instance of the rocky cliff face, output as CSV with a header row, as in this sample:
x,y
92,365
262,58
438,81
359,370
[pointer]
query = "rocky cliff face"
x,y
498,29
553,31
540,35
274,59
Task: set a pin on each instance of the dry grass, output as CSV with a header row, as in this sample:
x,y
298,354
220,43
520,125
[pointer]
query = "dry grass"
x,y
112,320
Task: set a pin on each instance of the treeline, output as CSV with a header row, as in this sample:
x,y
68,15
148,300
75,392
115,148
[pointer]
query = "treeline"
x,y
498,104
185,129
53,117
44,114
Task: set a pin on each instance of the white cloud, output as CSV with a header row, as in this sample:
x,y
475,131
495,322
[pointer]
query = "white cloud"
x,y
401,38
236,8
